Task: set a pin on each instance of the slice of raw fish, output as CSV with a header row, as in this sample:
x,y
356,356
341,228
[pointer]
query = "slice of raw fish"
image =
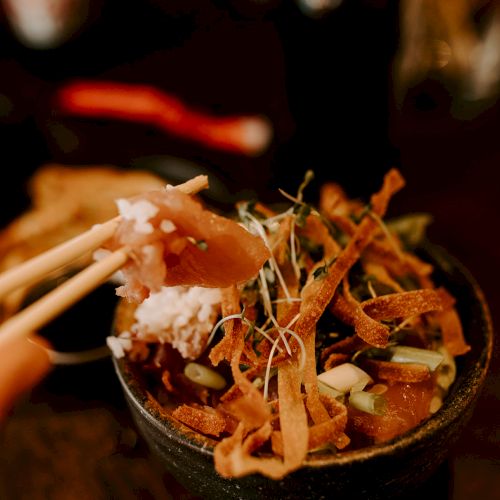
x,y
175,241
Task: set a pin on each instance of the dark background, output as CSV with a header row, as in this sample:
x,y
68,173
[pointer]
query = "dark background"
x,y
327,87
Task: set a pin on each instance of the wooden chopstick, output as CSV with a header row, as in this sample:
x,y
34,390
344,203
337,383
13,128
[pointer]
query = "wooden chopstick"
x,y
55,302
31,271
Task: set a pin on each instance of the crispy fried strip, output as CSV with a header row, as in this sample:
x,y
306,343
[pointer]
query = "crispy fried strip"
x,y
319,436
232,460
318,293
334,432
285,311
335,359
232,329
233,455
342,309
202,421
166,379
331,197
280,240
381,275
277,443
402,305
447,299
337,207
316,231
452,332
383,254
293,417
315,407
256,439
250,408
396,372
371,331
349,345
451,327
330,431
264,209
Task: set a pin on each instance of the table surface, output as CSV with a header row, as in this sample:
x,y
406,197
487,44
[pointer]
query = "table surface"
x,y
72,436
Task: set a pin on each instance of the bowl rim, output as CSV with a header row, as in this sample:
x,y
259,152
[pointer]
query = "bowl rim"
x,y
464,394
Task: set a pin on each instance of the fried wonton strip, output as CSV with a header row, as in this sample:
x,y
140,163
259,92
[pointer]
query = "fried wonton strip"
x,y
166,379
335,359
202,421
230,305
315,407
233,455
264,209
447,299
382,253
286,311
318,292
250,408
371,331
396,372
342,309
368,329
277,443
332,197
280,240
293,417
452,332
349,345
337,207
330,431
380,273
256,439
451,327
316,231
232,459
402,305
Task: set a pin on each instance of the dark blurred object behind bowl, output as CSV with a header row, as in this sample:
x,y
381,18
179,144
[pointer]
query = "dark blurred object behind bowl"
x,y
382,471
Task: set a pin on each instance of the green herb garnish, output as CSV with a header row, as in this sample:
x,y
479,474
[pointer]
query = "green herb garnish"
x,y
301,211
322,271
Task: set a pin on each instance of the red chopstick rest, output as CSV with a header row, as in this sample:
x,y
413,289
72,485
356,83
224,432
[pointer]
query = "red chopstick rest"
x,y
249,135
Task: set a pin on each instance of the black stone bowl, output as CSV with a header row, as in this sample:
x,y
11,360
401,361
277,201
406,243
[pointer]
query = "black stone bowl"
x,y
383,471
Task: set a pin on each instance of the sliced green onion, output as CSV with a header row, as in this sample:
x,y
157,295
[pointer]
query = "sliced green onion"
x,y
375,404
346,377
204,376
405,354
447,370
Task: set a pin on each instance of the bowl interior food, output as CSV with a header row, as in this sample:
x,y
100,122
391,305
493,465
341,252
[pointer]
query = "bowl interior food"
x,y
380,471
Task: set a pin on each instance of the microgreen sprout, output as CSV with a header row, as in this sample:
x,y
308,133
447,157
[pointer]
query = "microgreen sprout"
x,y
308,177
282,330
